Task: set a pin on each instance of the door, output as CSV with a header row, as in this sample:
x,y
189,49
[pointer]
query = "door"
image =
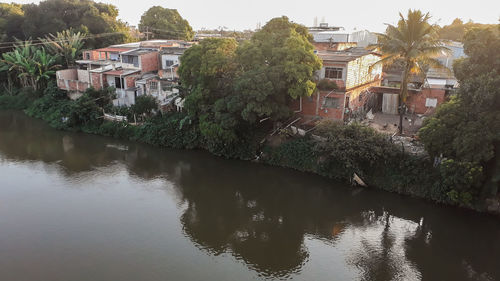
x,y
390,103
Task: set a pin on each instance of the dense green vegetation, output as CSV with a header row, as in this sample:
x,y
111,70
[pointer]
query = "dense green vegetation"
x,y
233,88
28,66
457,29
30,21
165,23
466,130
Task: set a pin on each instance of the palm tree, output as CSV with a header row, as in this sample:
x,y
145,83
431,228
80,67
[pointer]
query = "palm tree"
x,y
415,43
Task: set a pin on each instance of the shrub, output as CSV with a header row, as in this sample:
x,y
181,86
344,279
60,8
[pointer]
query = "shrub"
x,y
18,99
327,85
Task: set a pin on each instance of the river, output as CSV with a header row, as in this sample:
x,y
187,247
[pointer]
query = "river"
x,y
83,207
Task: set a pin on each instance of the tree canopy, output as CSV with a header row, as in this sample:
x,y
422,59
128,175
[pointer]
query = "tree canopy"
x,y
467,129
11,18
276,65
51,16
230,87
165,23
457,29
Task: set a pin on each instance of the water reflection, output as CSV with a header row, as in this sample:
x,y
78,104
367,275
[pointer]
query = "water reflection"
x,y
265,216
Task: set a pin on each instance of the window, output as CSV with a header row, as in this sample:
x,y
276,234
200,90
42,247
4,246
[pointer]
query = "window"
x,y
153,85
333,73
87,56
119,83
114,57
430,102
333,102
169,63
131,60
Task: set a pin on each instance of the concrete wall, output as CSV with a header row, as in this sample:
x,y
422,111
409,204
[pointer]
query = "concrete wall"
x,y
358,71
165,57
67,74
68,80
83,75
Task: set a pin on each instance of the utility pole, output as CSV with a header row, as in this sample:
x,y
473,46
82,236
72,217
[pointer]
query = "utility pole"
x,y
147,33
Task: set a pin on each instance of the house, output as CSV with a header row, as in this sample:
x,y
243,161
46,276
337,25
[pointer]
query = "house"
x,y
425,92
350,68
170,61
133,69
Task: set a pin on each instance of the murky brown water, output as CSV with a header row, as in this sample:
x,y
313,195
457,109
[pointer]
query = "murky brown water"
x,y
81,207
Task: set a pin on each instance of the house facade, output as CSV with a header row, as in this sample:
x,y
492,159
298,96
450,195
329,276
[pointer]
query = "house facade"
x,y
353,72
426,91
133,69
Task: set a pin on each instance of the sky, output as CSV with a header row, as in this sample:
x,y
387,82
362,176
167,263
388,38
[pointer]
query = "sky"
x,y
360,14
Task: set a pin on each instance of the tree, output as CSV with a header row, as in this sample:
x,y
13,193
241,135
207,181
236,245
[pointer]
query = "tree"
x,y
11,17
467,128
144,105
457,29
415,43
66,44
207,72
32,66
276,65
51,16
165,23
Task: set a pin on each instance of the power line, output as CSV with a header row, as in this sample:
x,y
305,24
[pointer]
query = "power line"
x,y
58,40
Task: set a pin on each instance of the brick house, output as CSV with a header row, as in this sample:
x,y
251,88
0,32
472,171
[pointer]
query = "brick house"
x,y
426,92
349,68
133,69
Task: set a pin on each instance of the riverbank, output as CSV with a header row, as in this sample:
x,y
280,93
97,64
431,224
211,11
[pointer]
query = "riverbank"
x,y
341,152
109,205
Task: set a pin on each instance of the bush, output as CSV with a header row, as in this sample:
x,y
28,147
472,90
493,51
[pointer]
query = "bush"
x,y
327,85
18,99
121,130
170,130
298,153
144,105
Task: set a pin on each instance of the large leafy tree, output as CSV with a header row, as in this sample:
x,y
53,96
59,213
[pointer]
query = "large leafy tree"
x,y
207,72
467,129
98,20
413,42
11,17
457,29
275,66
165,23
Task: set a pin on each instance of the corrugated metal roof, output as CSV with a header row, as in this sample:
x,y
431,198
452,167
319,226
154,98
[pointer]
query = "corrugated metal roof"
x,y
345,55
121,72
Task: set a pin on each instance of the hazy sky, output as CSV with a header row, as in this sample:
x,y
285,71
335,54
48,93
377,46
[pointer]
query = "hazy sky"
x,y
360,14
